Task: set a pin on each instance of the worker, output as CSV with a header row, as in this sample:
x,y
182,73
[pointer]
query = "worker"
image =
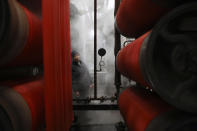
x,y
81,80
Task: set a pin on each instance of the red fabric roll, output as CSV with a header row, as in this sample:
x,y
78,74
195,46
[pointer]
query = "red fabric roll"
x,y
139,109
33,5
57,65
128,60
32,52
135,17
33,94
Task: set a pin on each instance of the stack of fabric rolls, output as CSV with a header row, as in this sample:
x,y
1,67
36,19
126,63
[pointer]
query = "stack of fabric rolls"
x,y
21,84
162,60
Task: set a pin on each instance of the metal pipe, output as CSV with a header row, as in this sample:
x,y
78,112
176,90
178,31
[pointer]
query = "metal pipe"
x,y
96,107
117,47
95,49
117,4
96,99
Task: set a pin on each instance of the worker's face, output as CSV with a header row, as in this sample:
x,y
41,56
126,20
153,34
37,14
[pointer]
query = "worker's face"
x,y
77,58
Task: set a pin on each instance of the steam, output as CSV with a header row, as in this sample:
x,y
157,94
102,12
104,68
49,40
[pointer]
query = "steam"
x,y
82,38
82,35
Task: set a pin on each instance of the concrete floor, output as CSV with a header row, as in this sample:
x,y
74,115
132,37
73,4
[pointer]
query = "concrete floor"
x,y
98,117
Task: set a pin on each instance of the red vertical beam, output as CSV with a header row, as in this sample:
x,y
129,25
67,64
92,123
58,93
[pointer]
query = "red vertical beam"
x,y
57,65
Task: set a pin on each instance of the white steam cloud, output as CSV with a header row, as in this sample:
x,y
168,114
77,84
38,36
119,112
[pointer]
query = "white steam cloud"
x,y
82,38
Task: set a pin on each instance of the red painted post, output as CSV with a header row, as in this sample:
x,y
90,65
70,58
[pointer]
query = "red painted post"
x,y
57,65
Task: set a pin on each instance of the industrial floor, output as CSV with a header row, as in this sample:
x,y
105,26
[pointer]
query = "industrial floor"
x,y
106,127
98,121
101,120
